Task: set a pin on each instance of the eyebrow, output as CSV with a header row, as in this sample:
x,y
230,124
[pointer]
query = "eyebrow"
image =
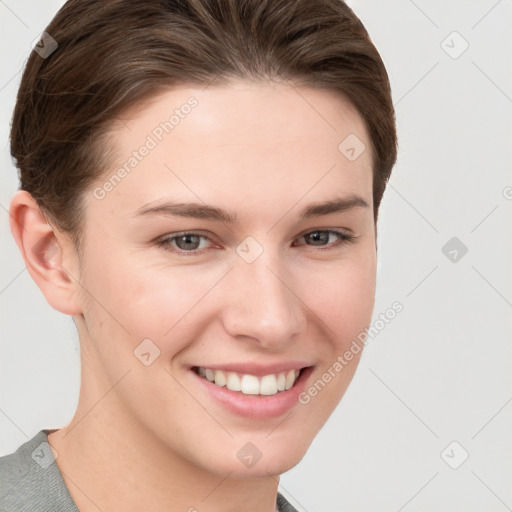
x,y
207,212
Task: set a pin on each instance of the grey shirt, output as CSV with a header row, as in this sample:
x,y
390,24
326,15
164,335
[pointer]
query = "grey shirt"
x,y
31,481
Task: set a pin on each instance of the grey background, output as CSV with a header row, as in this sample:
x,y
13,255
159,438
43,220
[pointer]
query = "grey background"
x,y
440,371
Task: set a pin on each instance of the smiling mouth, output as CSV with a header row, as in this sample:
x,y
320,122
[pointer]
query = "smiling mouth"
x,y
248,384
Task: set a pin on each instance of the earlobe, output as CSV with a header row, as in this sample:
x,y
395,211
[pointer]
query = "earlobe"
x,y
43,250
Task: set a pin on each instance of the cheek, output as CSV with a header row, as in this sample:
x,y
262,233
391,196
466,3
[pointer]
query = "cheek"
x,y
154,301
343,298
342,295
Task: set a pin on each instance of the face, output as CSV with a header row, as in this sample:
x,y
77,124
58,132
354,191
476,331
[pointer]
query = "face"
x,y
238,245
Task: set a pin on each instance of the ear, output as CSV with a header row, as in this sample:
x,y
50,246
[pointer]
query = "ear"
x,y
45,250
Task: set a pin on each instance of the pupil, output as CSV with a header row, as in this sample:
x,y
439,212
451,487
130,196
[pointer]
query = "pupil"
x,y
319,236
187,240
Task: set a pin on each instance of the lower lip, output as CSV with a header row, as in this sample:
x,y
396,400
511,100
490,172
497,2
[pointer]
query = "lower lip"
x,y
256,406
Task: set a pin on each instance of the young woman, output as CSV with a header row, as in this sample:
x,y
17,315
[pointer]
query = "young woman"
x,y
200,185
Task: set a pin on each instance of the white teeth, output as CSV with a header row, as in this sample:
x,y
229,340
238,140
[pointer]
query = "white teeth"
x,y
220,378
281,381
233,382
290,379
268,385
249,384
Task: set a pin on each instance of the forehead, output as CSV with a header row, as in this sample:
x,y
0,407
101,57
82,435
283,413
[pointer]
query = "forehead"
x,y
260,141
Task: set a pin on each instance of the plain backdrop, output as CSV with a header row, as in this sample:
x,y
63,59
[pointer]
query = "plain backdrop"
x,y
434,386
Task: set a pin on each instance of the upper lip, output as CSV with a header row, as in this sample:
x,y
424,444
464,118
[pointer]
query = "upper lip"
x,y
256,369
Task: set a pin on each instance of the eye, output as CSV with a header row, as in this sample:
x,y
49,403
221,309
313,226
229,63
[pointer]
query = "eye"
x,y
322,237
192,243
184,242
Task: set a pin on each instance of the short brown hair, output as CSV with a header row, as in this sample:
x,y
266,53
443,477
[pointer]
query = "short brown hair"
x,y
114,53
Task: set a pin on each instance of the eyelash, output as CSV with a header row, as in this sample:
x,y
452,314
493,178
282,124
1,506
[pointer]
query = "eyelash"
x,y
343,238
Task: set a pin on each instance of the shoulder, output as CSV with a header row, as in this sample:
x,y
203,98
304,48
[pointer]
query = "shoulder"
x,y
31,480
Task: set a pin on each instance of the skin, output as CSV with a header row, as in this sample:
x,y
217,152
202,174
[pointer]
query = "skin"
x,y
149,437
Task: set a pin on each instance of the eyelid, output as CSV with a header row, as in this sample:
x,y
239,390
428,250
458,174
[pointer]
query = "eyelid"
x,y
343,231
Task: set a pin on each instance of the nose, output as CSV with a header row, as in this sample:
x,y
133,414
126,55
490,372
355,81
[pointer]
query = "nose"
x,y
259,303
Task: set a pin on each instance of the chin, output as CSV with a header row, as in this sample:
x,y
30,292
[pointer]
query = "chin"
x,y
251,462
